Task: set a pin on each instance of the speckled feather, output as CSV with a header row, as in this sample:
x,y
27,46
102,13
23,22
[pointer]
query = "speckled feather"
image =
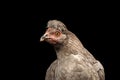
x,y
74,61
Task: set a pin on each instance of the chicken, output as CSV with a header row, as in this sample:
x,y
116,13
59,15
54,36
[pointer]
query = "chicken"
x,y
74,61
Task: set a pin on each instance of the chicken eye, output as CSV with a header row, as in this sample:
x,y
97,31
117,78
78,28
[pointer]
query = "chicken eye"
x,y
57,33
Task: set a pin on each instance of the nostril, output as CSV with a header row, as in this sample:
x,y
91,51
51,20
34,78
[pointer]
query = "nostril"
x,y
45,35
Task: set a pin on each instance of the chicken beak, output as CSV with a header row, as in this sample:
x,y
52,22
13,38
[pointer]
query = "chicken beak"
x,y
43,37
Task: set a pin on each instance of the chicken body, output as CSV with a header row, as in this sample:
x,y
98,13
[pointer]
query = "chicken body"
x,y
74,61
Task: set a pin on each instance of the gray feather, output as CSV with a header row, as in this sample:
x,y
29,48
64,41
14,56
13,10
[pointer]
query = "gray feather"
x,y
74,61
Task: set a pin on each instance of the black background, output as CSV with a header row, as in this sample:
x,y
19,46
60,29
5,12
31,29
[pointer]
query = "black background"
x,y
26,58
